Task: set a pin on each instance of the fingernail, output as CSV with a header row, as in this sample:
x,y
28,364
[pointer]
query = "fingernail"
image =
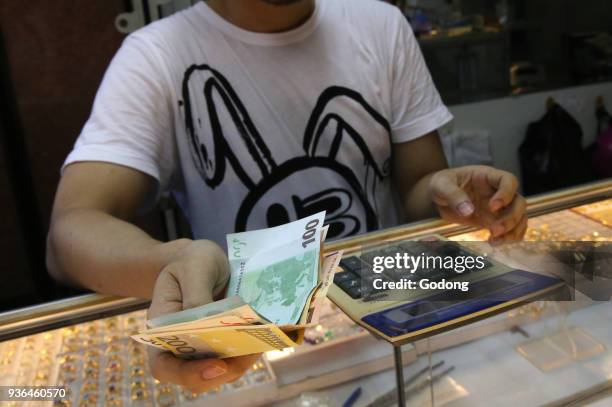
x,y
497,205
465,208
212,371
497,230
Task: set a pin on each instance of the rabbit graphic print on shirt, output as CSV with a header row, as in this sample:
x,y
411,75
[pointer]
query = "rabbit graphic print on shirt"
x,y
280,192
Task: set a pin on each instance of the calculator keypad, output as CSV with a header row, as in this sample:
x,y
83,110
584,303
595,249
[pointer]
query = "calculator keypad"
x,y
358,273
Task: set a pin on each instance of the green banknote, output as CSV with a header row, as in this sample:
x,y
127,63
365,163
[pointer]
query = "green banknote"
x,y
194,314
275,270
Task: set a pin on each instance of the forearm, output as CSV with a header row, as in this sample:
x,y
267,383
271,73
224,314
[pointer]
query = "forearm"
x,y
414,165
93,249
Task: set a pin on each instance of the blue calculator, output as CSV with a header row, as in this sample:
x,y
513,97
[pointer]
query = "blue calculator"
x,y
404,315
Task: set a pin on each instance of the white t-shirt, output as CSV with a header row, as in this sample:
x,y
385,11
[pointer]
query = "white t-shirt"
x,y
250,130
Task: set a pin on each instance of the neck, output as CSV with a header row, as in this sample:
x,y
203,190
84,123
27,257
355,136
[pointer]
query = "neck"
x,y
263,17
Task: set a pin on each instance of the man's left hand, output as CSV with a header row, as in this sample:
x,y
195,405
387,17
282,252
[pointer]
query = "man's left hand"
x,y
481,196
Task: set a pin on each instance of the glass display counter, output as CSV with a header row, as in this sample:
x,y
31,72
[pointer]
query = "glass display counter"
x,y
83,343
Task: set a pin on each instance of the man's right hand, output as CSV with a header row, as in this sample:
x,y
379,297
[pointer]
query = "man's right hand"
x,y
91,243
196,275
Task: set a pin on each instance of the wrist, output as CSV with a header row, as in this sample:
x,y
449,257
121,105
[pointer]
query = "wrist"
x,y
431,182
181,250
169,252
191,260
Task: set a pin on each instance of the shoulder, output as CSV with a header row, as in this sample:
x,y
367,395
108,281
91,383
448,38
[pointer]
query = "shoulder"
x,y
377,26
373,22
374,14
167,33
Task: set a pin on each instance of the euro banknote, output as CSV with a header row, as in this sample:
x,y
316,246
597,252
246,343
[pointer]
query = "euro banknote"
x,y
221,342
279,279
193,314
238,331
275,270
239,316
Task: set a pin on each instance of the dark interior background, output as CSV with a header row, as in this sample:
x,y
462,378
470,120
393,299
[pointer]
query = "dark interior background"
x,y
552,35
54,57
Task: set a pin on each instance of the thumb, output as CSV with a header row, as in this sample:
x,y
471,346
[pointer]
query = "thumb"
x,y
446,192
202,282
167,297
197,287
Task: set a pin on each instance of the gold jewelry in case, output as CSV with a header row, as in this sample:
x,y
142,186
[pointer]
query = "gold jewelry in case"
x,y
114,365
139,394
115,357
112,339
113,401
41,375
165,396
82,351
136,350
138,384
91,373
114,377
92,364
137,371
89,399
113,389
89,385
113,348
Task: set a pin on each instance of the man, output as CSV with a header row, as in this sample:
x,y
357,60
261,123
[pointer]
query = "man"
x,y
256,113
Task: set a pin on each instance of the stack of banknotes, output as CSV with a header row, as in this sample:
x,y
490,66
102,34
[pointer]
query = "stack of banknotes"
x,y
279,279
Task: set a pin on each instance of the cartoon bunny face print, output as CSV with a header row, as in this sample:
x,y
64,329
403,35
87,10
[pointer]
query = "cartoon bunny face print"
x,y
335,169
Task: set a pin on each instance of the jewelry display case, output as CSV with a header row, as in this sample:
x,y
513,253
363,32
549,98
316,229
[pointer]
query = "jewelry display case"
x,y
83,343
